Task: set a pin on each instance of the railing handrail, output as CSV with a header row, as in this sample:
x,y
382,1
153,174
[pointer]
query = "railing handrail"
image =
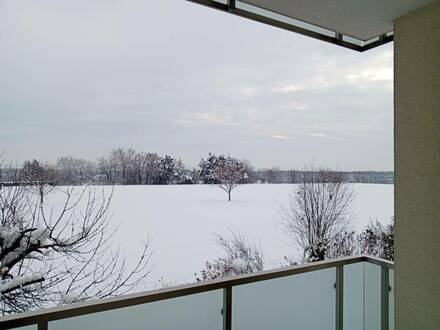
x,y
105,304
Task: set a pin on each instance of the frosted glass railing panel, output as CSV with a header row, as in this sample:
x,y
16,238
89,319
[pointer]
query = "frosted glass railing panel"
x,y
354,296
372,297
362,297
201,311
28,327
391,299
300,302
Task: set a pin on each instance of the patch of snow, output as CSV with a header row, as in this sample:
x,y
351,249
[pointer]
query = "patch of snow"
x,y
239,265
181,220
8,236
69,298
19,281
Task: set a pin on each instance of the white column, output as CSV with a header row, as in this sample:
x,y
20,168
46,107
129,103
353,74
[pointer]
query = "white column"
x,y
417,169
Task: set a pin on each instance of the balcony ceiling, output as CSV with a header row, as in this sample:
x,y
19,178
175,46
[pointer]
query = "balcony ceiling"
x,y
356,24
361,19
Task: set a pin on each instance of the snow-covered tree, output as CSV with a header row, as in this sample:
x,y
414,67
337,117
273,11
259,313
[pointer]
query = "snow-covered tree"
x,y
32,171
318,212
181,174
378,240
208,167
166,170
54,254
241,256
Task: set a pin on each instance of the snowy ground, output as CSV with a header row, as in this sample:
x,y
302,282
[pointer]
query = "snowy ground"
x,y
181,221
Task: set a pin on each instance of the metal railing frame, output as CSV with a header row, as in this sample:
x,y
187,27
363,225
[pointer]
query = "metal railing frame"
x,y
44,316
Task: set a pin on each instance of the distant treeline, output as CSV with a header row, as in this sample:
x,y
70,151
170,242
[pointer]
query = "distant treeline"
x,y
129,167
295,176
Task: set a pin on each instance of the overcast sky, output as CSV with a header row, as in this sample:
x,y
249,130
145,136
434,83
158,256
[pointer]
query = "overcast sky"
x,y
79,77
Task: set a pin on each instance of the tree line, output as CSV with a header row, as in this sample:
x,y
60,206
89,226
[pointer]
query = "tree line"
x,y
64,255
126,167
130,167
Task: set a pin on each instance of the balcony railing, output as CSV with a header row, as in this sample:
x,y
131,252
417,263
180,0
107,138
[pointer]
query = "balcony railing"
x,y
347,293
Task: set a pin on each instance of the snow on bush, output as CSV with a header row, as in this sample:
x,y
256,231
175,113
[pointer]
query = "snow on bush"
x,y
18,282
241,257
70,298
378,240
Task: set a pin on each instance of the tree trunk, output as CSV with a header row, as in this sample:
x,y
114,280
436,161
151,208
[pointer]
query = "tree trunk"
x,y
229,196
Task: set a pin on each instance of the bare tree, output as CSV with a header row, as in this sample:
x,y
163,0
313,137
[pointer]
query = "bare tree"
x,y
242,256
54,254
126,166
318,212
150,167
75,171
105,171
229,173
123,163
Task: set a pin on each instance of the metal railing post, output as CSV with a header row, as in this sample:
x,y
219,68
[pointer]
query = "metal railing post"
x,y
385,295
42,325
227,308
339,297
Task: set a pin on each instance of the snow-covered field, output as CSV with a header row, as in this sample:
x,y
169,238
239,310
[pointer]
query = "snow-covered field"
x,y
181,221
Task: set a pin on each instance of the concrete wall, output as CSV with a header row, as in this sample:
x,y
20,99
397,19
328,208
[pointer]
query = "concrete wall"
x,y
417,169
